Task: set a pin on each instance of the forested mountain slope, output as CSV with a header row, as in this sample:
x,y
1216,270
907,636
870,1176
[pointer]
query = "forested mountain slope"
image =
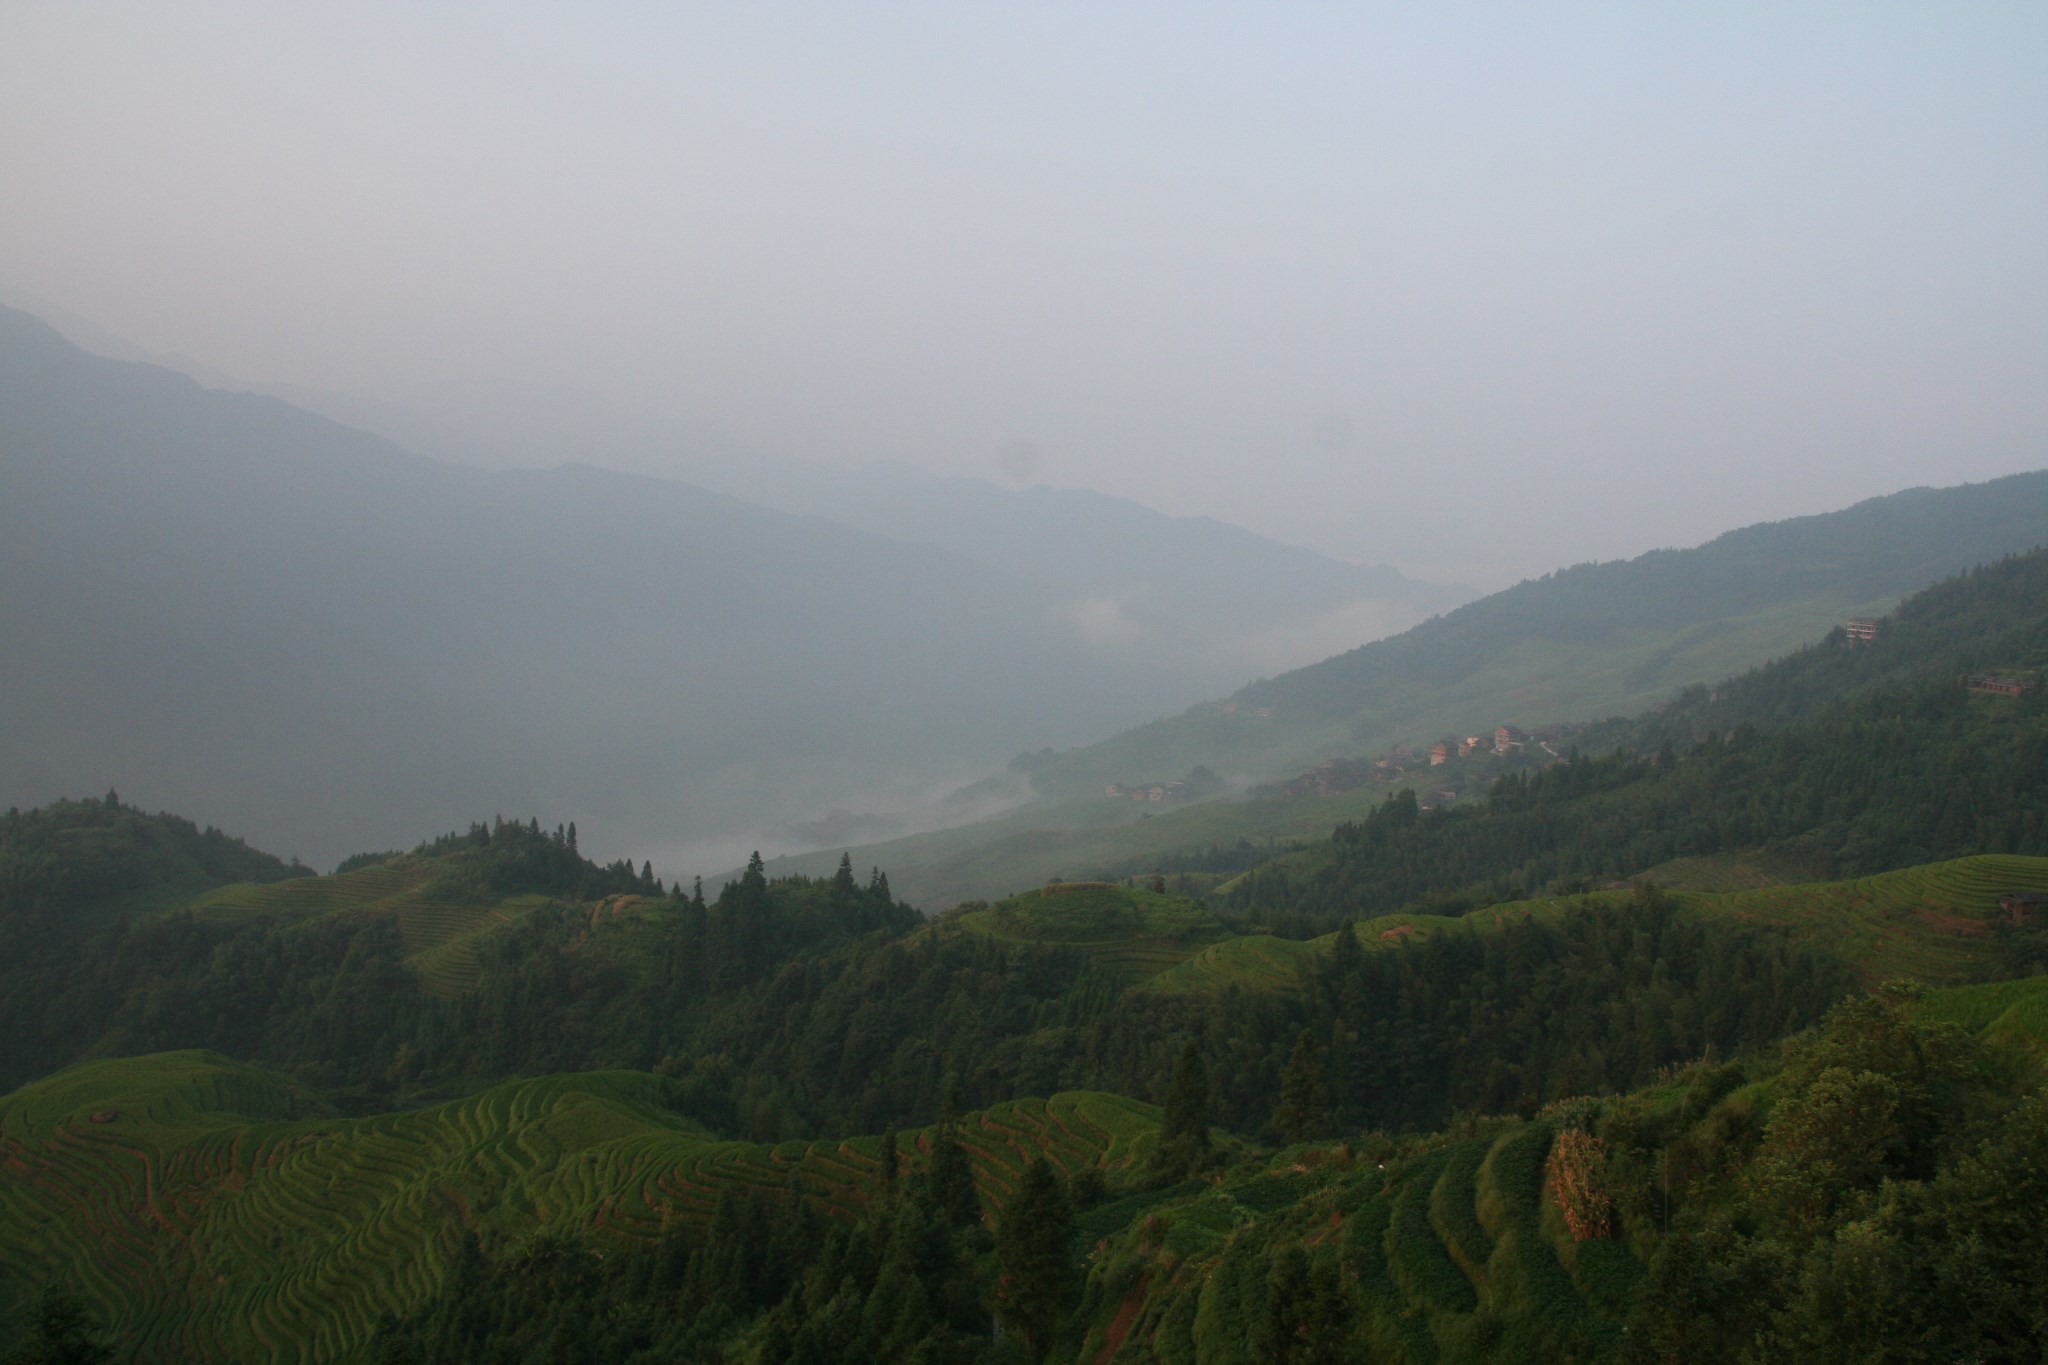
x,y
1880,755
815,1015
1598,639
76,860
1589,642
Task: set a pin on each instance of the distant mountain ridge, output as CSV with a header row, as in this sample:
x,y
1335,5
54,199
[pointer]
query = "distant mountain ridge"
x,y
1597,639
722,669
1220,602
218,602
1582,644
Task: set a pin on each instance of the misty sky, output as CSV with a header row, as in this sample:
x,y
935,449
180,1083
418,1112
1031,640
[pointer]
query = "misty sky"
x,y
1475,290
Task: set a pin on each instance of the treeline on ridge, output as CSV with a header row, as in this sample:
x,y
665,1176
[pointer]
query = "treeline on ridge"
x,y
808,1007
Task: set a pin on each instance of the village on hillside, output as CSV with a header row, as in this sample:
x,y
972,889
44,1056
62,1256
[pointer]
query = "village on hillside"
x,y
1338,775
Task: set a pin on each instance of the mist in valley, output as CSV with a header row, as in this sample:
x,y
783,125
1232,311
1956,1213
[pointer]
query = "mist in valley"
x,y
739,429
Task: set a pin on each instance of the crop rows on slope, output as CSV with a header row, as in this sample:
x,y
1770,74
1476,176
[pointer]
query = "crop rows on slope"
x,y
441,943
1136,934
439,936
206,1234
1935,922
1257,962
366,888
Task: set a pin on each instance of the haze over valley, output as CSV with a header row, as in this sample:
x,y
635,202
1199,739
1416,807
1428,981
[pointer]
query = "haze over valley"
x,y
1145,685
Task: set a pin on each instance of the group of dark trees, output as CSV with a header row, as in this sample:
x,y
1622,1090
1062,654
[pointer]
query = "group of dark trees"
x,y
806,1006
73,857
919,1278
1887,1208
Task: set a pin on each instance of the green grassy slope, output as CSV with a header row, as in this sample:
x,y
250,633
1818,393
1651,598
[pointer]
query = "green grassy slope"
x,y
996,857
1936,923
1132,932
2012,1015
440,934
208,1217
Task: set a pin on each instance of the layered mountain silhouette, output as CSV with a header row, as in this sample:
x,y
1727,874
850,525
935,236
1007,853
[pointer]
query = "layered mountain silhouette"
x,y
220,602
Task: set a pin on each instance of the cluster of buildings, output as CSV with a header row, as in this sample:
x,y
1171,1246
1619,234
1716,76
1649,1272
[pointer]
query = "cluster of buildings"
x,y
1199,782
1156,791
1998,684
1504,740
1342,775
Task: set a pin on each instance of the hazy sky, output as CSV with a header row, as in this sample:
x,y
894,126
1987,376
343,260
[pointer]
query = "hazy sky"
x,y
1474,290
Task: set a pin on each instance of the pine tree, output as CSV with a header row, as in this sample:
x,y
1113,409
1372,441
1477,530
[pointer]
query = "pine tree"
x,y
949,1183
891,1161
1301,1091
1035,1255
1287,1300
61,1332
1184,1129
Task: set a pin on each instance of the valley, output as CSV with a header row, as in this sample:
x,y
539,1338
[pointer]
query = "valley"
x,y
1627,951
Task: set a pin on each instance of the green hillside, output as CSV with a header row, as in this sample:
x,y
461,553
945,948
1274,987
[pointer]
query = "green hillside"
x,y
1937,923
1552,1239
1131,933
212,1210
73,863
200,1209
439,931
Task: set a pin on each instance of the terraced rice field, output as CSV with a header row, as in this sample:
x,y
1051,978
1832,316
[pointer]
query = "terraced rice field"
x,y
1935,923
441,940
440,937
1446,1256
382,887
1460,1235
2011,1014
1134,933
1256,962
189,1197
